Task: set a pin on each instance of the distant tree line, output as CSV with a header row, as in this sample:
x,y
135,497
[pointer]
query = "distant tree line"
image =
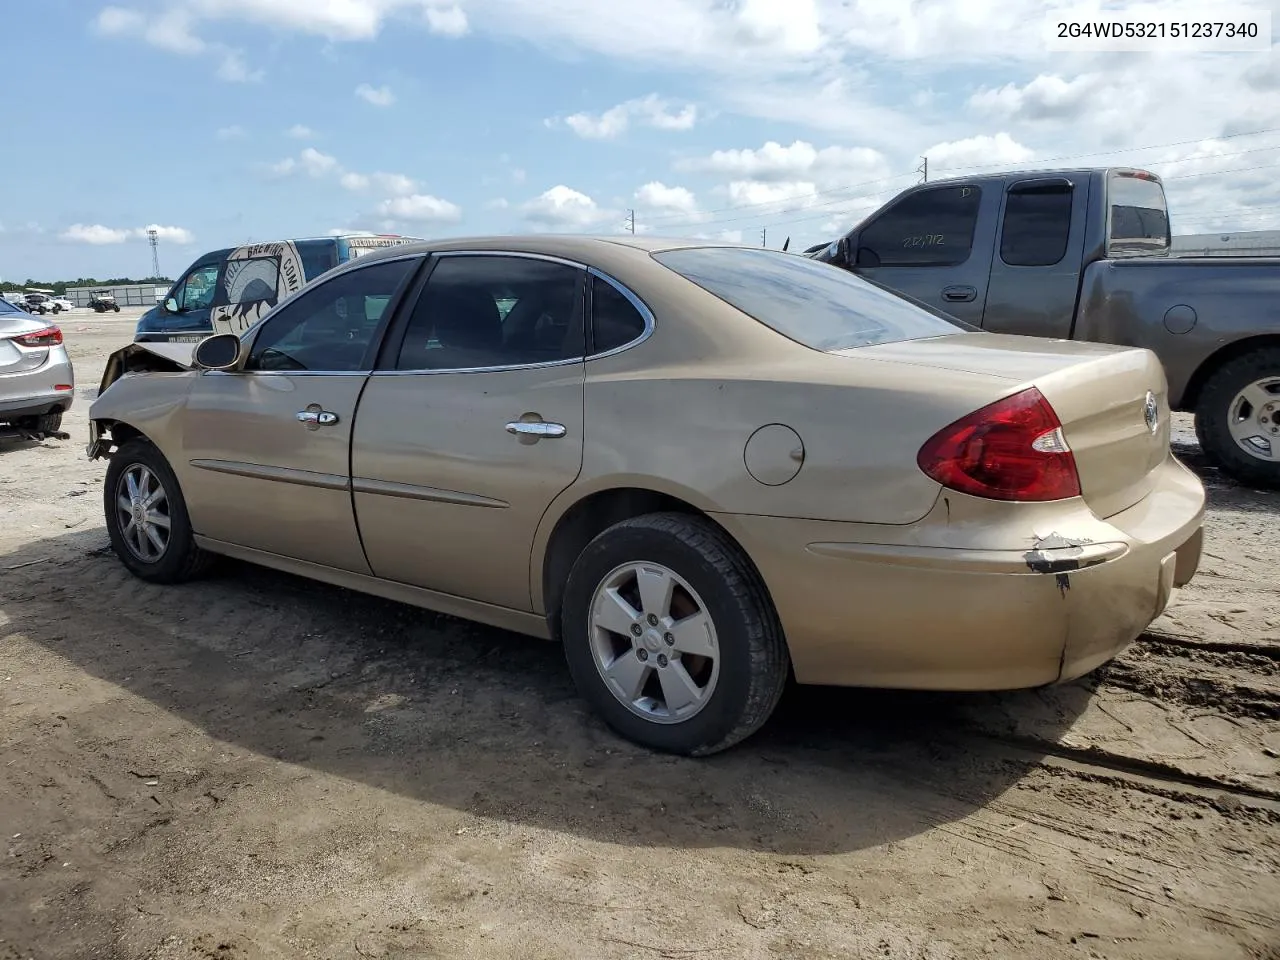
x,y
59,287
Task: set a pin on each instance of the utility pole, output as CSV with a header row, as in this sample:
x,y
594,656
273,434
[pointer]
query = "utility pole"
x,y
764,233
923,169
153,238
630,223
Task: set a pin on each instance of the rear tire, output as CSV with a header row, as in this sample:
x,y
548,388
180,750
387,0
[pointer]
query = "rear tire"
x,y
700,593
1240,401
49,422
153,538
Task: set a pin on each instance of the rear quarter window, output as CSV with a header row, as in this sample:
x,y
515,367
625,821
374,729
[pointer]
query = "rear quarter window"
x,y
820,305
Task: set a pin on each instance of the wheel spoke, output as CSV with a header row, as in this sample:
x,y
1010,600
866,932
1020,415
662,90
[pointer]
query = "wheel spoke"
x,y
693,636
157,541
628,675
157,519
140,541
678,688
656,586
1257,397
131,480
156,497
125,504
613,613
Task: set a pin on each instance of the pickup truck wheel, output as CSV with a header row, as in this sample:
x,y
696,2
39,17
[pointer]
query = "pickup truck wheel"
x,y
1238,418
671,636
147,517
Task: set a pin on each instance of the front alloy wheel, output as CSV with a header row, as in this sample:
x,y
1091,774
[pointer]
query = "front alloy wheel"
x,y
143,513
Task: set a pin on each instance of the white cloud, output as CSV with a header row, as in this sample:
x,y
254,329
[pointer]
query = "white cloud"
x,y
420,208
651,110
774,162
234,132
95,234
1047,97
235,69
984,151
316,163
99,235
497,203
179,235
300,132
378,96
658,196
450,21
354,182
395,184
119,20
563,208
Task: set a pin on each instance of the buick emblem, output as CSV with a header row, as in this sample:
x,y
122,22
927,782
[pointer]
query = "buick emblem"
x,y
1151,412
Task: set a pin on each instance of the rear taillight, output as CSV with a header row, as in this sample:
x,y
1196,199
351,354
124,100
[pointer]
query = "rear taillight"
x,y
1012,449
50,336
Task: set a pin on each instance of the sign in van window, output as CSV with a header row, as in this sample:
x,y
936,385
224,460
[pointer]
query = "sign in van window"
x,y
932,228
250,280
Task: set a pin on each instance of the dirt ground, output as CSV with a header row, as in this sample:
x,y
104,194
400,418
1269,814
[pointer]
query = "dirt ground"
x,y
255,766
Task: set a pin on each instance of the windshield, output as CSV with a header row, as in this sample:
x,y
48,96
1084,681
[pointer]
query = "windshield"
x,y
7,307
1139,215
817,304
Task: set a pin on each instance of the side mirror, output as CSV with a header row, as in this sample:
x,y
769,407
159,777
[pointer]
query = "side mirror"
x,y
219,352
171,305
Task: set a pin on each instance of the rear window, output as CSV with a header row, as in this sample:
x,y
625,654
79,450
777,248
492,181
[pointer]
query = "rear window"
x,y
1139,215
822,306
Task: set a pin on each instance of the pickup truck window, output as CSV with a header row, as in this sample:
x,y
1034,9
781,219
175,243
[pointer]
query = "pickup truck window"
x,y
1139,215
820,305
1037,223
930,228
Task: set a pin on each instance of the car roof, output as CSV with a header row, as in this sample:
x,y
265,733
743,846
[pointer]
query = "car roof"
x,y
569,246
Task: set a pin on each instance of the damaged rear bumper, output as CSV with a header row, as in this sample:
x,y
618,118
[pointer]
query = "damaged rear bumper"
x,y
944,604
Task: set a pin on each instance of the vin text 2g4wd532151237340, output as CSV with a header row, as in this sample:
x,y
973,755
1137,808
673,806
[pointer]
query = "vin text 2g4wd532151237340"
x,y
1085,255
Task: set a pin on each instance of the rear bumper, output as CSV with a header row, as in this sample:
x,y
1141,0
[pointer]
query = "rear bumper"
x,y
977,596
19,407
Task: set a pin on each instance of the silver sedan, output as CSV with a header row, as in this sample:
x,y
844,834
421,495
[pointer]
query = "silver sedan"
x,y
37,382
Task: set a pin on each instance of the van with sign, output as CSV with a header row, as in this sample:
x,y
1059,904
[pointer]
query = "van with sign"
x,y
226,291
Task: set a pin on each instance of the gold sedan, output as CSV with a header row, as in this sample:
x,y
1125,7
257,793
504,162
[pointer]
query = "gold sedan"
x,y
700,467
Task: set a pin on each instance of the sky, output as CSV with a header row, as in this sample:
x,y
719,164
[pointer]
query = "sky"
x,y
219,122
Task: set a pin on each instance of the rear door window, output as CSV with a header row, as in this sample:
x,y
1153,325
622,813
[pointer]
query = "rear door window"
x,y
1139,215
817,304
1037,224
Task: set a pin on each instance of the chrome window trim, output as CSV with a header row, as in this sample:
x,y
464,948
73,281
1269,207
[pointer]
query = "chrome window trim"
x,y
650,322
646,315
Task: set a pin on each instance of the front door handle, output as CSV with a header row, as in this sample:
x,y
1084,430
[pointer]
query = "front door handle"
x,y
536,429
959,294
320,418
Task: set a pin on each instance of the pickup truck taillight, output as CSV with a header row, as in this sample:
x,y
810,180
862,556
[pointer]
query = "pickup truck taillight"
x,y
1012,449
50,336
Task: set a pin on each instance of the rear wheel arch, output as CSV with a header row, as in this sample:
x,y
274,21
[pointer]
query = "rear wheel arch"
x,y
1190,398
590,516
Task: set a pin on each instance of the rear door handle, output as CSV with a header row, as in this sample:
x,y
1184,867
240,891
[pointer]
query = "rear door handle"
x,y
322,418
536,429
959,294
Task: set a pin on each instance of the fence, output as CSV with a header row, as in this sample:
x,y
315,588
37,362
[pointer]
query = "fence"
x,y
133,295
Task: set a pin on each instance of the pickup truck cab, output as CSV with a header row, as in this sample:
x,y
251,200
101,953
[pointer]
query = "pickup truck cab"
x,y
1084,254
226,291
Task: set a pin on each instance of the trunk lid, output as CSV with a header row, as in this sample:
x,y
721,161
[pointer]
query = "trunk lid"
x,y
1112,401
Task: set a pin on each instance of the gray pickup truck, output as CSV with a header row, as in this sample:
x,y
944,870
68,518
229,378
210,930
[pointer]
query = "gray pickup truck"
x,y
1085,255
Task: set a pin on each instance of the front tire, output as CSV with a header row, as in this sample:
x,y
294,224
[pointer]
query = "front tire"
x,y
147,517
1238,418
670,635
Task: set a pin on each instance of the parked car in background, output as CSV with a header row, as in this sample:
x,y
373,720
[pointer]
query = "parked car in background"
x,y
1084,255
226,291
698,466
37,382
